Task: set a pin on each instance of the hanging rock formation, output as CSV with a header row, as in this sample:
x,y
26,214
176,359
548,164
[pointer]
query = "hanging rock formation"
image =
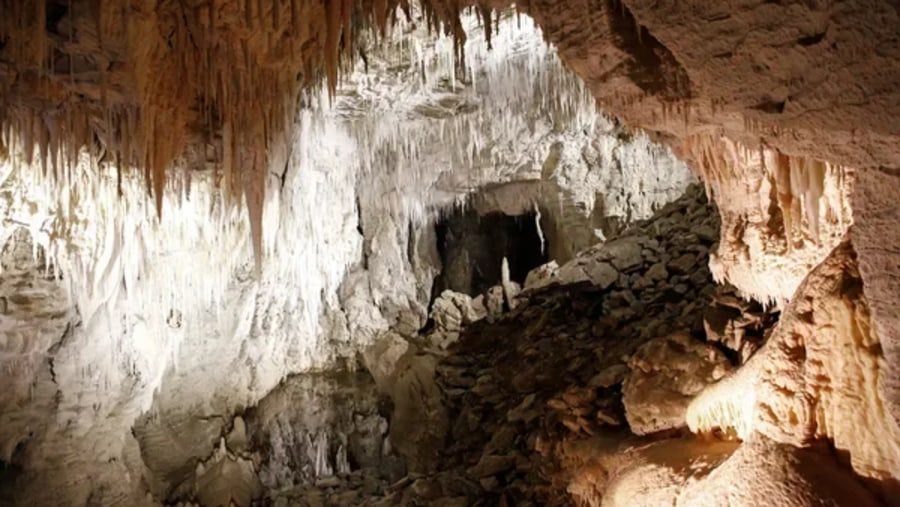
x,y
200,199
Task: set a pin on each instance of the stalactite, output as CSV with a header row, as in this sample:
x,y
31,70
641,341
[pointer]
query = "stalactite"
x,y
144,238
782,178
485,11
220,61
799,183
380,15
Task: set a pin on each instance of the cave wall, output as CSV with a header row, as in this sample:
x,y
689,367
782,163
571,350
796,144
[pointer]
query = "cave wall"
x,y
800,77
875,238
817,378
809,82
812,80
134,340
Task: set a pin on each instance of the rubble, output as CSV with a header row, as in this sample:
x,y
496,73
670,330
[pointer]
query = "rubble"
x,y
737,324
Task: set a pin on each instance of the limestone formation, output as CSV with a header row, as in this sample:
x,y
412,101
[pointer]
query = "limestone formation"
x,y
160,326
548,399
796,391
499,392
277,252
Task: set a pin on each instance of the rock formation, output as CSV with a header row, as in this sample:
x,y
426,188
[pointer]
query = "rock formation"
x,y
275,252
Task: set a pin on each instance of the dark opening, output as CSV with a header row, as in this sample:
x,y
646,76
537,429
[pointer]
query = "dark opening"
x,y
54,12
472,248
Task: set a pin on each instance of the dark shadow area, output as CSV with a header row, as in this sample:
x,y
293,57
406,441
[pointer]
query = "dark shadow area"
x,y
9,472
472,248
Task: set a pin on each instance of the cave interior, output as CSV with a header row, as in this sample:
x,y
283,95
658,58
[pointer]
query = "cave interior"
x,y
449,253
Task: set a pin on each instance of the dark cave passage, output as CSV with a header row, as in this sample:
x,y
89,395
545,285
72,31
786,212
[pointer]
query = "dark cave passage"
x,y
472,248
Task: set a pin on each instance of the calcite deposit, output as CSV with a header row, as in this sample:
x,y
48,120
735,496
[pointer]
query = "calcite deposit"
x,y
392,252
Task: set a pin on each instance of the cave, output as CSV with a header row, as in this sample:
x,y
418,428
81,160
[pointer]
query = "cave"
x,y
455,254
472,248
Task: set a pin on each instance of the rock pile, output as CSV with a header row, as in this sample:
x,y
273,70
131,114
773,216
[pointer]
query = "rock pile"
x,y
610,345
666,374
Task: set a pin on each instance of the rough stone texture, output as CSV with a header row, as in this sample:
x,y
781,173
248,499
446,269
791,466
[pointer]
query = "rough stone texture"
x,y
451,311
666,373
602,275
754,70
176,351
796,390
739,325
689,473
668,240
535,404
641,475
786,76
780,215
225,479
312,425
761,472
575,434
519,384
876,240
809,80
35,317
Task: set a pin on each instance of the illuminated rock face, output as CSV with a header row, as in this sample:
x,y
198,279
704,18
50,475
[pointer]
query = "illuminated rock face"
x,y
797,390
781,215
783,78
666,374
747,69
156,329
124,373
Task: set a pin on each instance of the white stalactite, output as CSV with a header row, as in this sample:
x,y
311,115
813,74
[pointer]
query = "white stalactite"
x,y
175,303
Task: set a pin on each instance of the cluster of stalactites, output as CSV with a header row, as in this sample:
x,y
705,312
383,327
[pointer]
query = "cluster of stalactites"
x,y
145,84
799,182
800,179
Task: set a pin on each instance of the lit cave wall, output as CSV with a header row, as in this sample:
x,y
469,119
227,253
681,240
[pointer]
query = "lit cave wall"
x,y
472,286
139,337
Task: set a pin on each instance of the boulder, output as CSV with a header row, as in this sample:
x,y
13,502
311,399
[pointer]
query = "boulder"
x,y
666,373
